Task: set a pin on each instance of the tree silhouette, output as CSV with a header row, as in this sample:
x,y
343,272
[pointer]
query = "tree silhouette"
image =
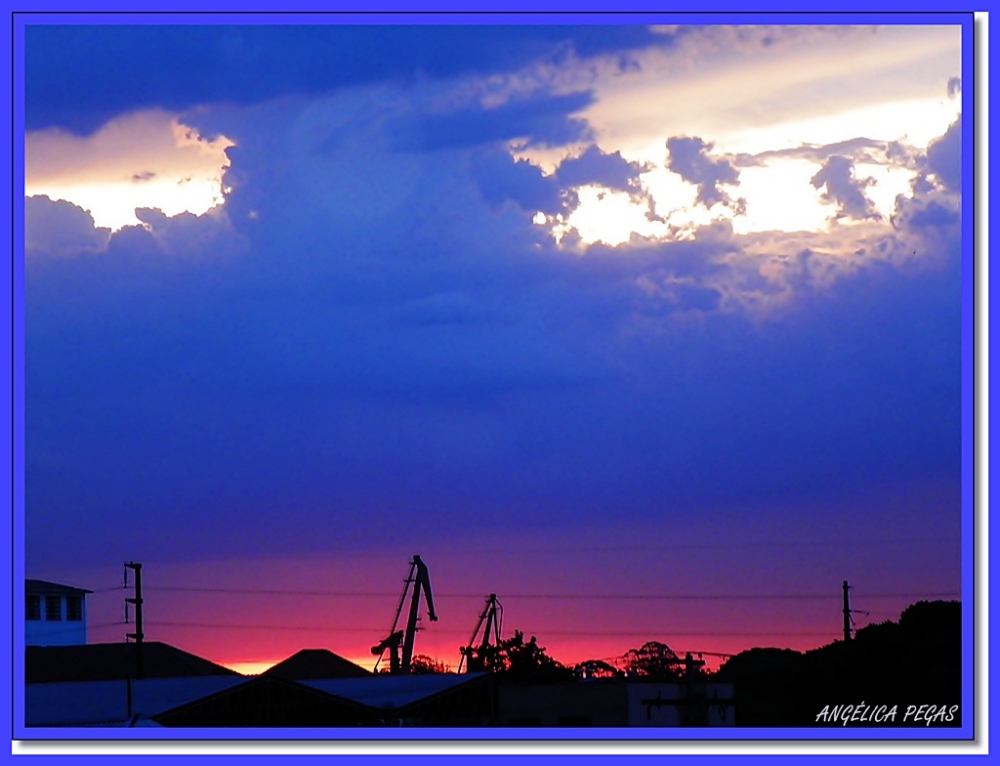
x,y
422,664
654,661
915,661
596,669
522,659
772,685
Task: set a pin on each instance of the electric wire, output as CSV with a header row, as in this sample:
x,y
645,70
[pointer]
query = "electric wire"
x,y
539,631
558,596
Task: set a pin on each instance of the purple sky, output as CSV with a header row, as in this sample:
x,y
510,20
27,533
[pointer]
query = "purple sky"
x,y
636,311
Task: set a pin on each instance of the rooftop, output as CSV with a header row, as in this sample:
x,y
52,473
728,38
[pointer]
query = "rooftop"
x,y
43,588
106,702
105,662
392,691
315,664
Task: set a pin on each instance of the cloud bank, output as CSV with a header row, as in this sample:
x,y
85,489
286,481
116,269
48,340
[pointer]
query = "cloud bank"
x,y
373,336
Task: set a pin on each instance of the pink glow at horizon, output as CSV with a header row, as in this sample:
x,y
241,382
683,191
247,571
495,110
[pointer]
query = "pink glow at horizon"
x,y
578,592
384,327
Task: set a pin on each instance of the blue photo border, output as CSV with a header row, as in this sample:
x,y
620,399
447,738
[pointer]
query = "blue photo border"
x,y
189,12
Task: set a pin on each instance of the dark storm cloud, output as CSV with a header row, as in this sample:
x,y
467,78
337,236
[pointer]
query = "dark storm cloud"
x,y
244,397
501,177
934,215
595,167
443,309
344,372
130,67
540,119
944,157
60,227
689,158
668,295
166,362
844,189
929,221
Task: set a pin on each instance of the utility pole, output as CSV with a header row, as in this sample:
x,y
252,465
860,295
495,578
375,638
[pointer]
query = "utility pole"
x,y
847,612
137,600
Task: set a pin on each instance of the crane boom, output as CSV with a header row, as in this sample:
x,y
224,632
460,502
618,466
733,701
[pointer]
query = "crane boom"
x,y
492,615
421,581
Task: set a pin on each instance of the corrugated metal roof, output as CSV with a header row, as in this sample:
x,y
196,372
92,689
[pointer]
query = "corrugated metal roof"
x,y
388,691
43,588
106,702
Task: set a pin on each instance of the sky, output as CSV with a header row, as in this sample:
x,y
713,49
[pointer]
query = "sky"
x,y
653,331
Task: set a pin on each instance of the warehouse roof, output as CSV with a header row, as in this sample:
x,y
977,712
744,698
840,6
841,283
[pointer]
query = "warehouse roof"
x,y
105,662
106,702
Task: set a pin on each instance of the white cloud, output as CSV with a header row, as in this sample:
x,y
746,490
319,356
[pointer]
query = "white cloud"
x,y
320,187
711,87
143,159
878,94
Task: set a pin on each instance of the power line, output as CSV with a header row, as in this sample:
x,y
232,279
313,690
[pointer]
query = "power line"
x,y
341,629
667,547
697,546
559,596
105,625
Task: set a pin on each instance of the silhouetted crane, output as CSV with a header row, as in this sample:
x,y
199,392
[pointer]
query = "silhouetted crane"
x,y
476,655
421,580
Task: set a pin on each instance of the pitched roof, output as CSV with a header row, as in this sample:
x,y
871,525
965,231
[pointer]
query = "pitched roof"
x,y
234,700
95,703
43,588
269,701
393,691
313,664
105,662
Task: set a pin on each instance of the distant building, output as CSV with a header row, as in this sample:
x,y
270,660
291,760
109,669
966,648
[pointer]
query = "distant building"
x,y
614,702
694,704
55,615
